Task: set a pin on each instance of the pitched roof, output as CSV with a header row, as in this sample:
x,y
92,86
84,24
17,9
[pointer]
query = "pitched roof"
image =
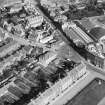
x,y
96,33
10,2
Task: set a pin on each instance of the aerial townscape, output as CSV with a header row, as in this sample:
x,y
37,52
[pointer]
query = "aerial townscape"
x,y
52,52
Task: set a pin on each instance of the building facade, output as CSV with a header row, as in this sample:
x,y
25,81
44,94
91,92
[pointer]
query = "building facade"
x,y
59,87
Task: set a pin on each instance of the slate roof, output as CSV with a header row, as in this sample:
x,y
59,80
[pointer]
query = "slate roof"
x,y
96,33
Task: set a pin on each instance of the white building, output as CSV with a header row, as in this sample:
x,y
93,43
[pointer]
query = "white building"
x,y
46,39
47,58
35,21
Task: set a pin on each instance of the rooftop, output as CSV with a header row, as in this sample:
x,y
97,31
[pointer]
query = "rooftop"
x,y
90,95
4,89
86,23
97,33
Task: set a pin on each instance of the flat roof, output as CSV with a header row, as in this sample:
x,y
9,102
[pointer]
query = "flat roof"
x,y
87,24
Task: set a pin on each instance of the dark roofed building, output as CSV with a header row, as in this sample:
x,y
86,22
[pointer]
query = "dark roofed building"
x,y
97,33
25,89
32,78
15,90
86,24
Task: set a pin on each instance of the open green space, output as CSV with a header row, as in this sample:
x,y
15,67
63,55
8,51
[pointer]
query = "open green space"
x,y
91,94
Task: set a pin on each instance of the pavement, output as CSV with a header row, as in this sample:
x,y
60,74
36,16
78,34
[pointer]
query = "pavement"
x,y
72,91
95,72
102,102
77,87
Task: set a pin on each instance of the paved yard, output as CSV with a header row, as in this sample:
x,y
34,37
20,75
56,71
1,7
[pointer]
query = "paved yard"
x,y
90,95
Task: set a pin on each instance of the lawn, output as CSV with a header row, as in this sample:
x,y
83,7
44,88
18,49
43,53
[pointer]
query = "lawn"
x,y
90,95
1,1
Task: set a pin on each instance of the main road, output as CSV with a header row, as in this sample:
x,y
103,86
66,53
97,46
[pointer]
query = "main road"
x,y
95,72
65,38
